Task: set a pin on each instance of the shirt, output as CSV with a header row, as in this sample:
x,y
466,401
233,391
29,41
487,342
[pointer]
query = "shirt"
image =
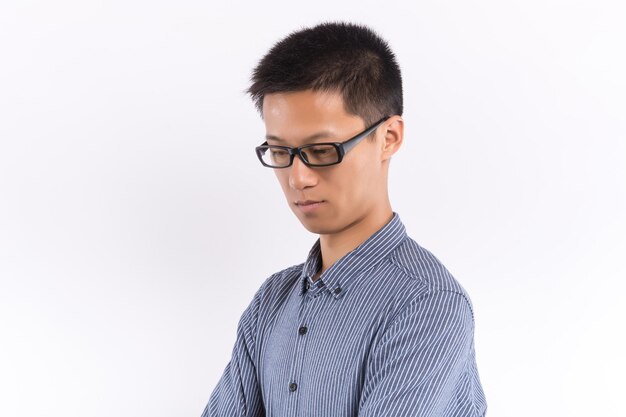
x,y
386,331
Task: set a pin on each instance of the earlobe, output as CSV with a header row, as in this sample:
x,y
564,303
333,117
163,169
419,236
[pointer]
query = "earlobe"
x,y
394,136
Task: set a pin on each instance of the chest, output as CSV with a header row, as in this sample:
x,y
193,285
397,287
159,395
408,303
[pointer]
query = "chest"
x,y
314,354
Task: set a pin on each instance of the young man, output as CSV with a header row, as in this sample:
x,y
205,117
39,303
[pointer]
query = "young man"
x,y
372,324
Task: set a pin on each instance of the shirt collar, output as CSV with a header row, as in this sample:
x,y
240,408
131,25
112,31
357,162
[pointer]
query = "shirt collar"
x,y
338,277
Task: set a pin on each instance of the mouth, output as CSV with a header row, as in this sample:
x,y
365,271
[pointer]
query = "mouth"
x,y
309,206
307,202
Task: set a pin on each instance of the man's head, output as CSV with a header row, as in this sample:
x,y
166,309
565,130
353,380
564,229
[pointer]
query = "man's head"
x,y
346,58
327,84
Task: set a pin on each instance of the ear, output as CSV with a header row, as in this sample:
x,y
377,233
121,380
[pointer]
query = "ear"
x,y
394,135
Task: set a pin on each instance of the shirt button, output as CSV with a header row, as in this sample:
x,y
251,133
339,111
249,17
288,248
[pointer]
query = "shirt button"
x,y
293,386
302,330
337,290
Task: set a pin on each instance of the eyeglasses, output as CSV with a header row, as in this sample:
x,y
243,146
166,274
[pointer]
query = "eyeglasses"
x,y
314,155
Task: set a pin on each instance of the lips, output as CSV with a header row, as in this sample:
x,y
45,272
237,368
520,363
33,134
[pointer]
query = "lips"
x,y
309,207
307,202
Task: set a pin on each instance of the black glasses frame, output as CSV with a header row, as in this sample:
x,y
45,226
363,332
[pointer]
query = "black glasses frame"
x,y
342,148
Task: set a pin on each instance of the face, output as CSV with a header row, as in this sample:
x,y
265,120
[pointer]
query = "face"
x,y
330,199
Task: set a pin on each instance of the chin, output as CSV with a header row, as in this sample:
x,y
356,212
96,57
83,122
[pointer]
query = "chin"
x,y
324,223
315,225
320,226
319,230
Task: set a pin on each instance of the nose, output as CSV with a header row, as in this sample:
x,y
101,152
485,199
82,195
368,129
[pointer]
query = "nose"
x,y
300,175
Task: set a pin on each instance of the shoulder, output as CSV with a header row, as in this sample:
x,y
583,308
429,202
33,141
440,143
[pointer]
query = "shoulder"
x,y
281,281
275,287
272,291
424,273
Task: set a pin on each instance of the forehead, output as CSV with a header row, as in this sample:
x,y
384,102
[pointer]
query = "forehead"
x,y
294,116
302,105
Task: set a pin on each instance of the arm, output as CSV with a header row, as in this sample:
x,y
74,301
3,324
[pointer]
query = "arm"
x,y
414,367
238,393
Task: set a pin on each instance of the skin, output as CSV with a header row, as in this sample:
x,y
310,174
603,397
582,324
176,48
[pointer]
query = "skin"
x,y
353,194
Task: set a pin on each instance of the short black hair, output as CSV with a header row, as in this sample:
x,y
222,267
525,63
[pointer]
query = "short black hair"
x,y
334,56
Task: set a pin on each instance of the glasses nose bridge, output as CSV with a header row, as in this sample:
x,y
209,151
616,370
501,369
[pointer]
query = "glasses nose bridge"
x,y
301,174
298,152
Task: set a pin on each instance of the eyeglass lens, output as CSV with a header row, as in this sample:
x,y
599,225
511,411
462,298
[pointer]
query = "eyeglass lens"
x,y
313,154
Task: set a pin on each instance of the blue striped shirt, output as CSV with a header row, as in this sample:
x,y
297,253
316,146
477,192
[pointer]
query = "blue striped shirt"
x,y
386,331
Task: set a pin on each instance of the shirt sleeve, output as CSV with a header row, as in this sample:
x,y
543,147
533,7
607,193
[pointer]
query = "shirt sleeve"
x,y
238,393
419,359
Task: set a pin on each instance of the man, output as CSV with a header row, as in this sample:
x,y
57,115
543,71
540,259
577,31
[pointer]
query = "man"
x,y
372,324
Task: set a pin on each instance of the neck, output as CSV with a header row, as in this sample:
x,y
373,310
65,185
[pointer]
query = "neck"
x,y
337,245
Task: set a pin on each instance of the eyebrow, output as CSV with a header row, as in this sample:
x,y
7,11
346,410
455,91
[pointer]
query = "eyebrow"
x,y
313,137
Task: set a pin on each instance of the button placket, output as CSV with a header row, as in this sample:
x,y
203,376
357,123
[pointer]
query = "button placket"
x,y
301,341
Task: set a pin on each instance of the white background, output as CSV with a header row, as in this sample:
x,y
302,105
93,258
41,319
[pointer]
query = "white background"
x,y
136,222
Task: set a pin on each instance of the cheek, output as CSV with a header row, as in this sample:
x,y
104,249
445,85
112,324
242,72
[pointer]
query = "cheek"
x,y
365,180
364,169
351,186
